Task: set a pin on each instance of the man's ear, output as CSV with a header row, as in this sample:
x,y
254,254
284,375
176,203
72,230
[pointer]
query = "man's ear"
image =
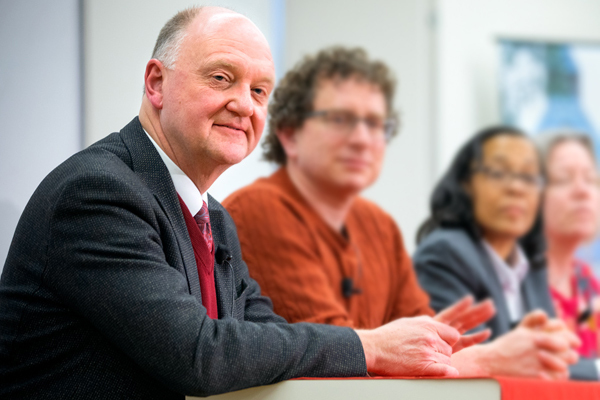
x,y
287,138
153,81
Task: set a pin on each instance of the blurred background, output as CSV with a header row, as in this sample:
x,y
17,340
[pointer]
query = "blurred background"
x,y
71,72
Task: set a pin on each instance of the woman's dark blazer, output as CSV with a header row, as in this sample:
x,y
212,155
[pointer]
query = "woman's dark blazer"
x,y
451,264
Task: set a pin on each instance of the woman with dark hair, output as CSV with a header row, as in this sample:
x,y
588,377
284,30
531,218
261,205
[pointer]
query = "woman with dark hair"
x,y
484,236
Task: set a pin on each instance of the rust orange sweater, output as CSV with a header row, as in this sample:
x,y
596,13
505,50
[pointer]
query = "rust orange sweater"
x,y
299,261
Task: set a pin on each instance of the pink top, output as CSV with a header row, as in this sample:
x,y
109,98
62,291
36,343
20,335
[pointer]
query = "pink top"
x,y
578,311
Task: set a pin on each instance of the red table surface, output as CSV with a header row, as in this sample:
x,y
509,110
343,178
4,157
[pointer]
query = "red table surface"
x,y
527,389
530,389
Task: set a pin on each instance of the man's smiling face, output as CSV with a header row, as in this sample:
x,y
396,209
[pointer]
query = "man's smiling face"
x,y
215,98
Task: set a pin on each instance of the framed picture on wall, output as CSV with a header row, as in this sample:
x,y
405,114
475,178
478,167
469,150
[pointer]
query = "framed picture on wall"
x,y
548,86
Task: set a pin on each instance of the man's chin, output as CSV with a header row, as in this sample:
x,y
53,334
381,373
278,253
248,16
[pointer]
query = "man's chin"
x,y
234,154
352,186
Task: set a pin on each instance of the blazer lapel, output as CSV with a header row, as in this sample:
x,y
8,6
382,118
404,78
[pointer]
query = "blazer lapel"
x,y
535,292
151,169
224,279
492,283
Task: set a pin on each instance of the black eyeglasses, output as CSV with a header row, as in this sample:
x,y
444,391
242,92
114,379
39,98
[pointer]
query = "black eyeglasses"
x,y
503,177
346,121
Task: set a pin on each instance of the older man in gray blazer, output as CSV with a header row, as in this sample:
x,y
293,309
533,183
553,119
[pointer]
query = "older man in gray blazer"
x,y
125,280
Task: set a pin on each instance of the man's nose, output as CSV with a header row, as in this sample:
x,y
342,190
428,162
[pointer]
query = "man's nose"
x,y
242,103
360,133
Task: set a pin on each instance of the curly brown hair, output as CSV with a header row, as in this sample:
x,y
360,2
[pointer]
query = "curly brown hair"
x,y
293,98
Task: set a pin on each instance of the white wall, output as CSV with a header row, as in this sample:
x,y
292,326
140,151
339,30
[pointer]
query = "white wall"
x,y
40,99
468,57
399,33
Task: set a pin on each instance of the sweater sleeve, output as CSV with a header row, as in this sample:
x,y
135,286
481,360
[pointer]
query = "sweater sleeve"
x,y
280,249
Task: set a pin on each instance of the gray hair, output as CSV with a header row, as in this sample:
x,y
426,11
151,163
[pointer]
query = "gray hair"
x,y
166,49
547,141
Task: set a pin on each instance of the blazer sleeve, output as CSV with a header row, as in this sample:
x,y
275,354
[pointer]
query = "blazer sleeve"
x,y
584,370
106,262
445,275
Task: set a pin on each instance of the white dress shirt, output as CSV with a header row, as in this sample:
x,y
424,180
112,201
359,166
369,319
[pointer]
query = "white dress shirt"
x,y
186,189
511,277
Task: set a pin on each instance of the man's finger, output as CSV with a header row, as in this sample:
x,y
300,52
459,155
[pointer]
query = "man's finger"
x,y
534,319
554,343
551,362
442,347
475,316
555,325
437,369
470,340
447,315
440,358
573,339
570,357
543,375
447,333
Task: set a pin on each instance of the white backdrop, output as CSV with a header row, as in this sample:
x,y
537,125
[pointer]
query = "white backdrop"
x,y
40,99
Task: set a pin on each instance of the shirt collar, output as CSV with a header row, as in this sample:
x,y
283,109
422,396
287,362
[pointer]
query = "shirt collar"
x,y
505,271
186,189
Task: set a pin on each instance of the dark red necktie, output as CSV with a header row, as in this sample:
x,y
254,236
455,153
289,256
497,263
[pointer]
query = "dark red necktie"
x,y
203,221
201,237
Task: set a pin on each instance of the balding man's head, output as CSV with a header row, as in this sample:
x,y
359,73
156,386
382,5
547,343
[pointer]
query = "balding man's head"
x,y
172,34
175,30
207,90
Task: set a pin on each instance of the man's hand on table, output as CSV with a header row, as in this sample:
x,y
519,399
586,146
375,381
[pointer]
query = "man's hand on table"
x,y
464,316
423,346
538,347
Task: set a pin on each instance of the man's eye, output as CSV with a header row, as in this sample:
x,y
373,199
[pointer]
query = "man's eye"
x,y
259,91
374,123
219,77
339,118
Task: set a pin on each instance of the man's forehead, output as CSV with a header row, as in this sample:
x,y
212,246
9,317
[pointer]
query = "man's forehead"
x,y
219,21
220,18
348,93
217,28
338,85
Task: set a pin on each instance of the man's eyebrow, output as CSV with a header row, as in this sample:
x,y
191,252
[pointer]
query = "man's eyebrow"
x,y
218,64
268,80
211,65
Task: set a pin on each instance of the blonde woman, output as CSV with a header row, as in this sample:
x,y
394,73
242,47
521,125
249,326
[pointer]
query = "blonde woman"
x,y
571,210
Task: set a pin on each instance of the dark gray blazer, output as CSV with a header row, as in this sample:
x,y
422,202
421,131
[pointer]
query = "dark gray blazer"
x,y
450,264
100,296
